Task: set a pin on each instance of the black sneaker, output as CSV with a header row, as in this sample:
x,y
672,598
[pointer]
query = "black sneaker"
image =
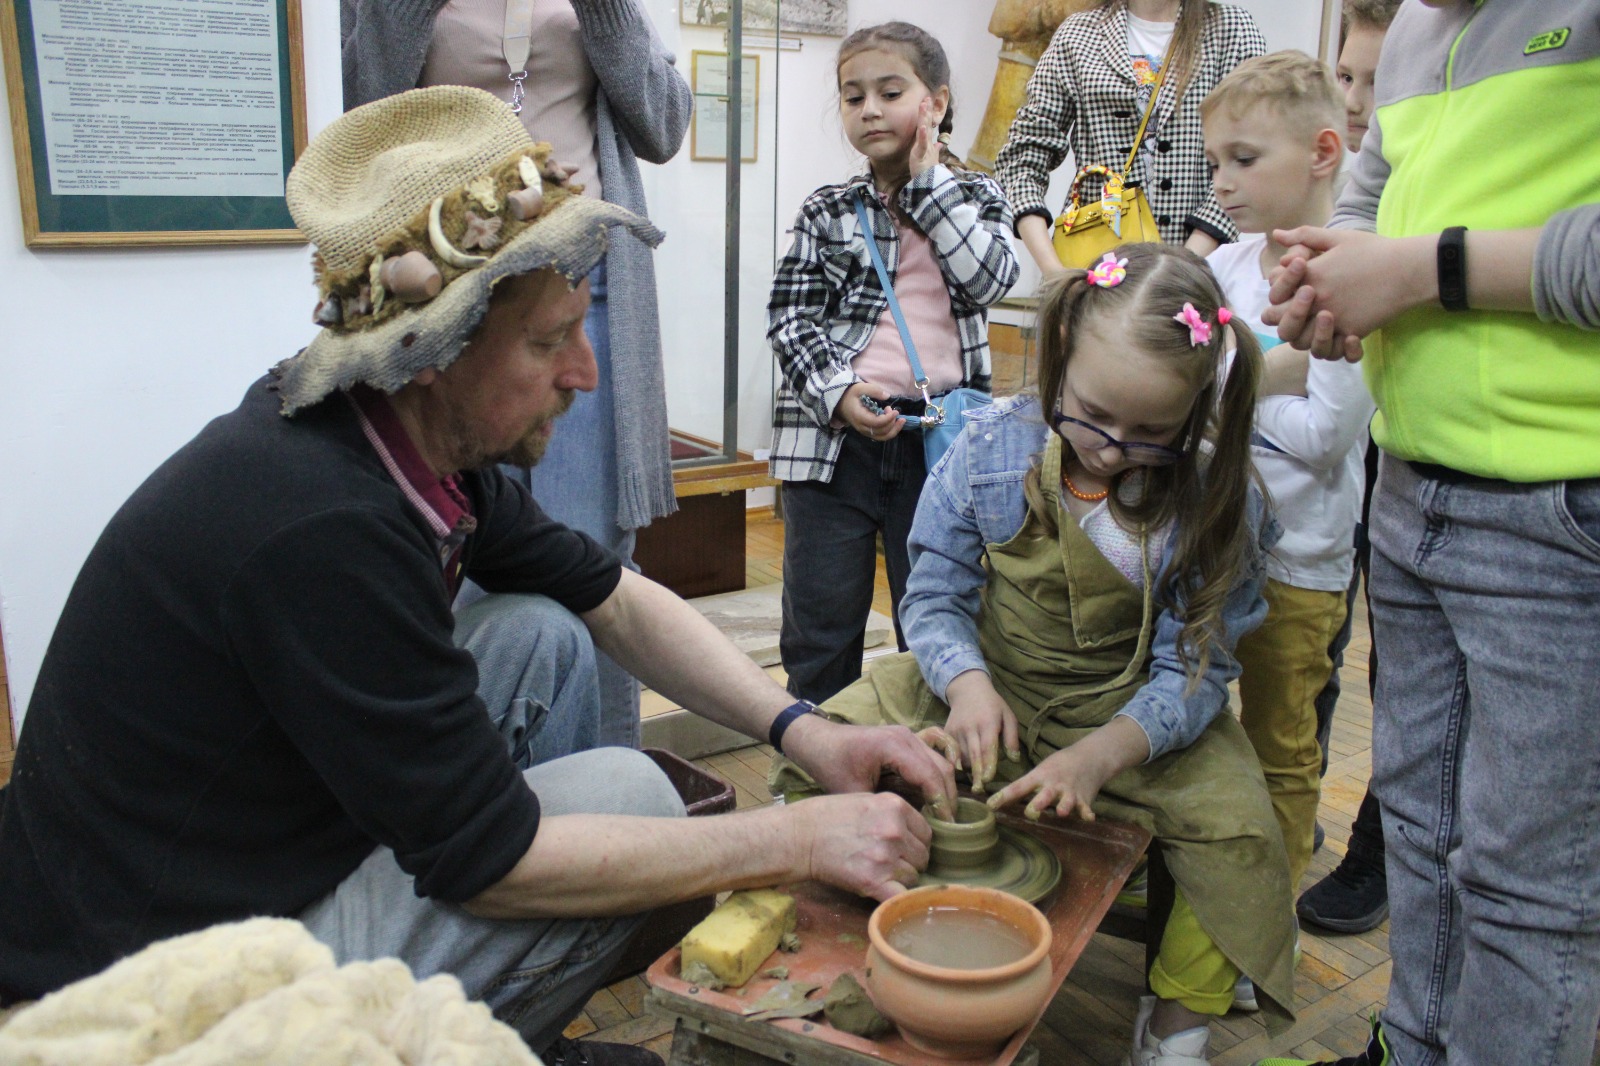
x,y
1377,1054
566,1052
1352,899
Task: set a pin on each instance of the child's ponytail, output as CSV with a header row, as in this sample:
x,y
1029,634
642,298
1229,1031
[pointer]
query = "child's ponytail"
x,y
1224,544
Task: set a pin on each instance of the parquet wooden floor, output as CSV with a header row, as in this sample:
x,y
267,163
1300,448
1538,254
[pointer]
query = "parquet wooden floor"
x,y
1341,980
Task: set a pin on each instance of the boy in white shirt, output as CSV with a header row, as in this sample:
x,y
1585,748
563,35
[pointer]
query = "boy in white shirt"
x,y
1273,138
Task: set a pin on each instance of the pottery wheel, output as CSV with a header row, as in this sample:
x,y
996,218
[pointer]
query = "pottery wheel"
x,y
1022,866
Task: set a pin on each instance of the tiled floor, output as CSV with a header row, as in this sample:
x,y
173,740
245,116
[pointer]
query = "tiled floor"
x,y
1341,979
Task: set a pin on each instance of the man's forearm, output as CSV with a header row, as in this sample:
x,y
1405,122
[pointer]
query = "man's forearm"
x,y
671,647
593,865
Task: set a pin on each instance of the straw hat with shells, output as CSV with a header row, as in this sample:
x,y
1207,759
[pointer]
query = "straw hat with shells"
x,y
417,205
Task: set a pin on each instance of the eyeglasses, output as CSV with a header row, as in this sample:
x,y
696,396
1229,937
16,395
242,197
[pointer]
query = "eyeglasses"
x,y
1084,435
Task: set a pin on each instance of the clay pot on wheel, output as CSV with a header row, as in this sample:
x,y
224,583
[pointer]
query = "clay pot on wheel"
x,y
945,1010
966,844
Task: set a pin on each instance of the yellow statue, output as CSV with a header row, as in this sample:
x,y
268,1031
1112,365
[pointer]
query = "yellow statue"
x,y
1024,28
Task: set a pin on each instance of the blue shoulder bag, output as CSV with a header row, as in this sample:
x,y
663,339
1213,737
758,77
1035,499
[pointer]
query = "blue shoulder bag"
x,y
945,415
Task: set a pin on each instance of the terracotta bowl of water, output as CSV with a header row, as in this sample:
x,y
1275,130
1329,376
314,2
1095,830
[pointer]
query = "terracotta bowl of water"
x,y
958,969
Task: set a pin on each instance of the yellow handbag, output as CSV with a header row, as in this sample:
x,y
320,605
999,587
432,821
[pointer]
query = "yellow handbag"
x,y
1084,233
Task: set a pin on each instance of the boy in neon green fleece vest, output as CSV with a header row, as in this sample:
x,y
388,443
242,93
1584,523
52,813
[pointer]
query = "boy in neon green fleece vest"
x,y
1470,236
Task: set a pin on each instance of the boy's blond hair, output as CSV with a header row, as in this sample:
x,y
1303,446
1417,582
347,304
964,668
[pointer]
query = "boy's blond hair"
x,y
1293,84
1374,13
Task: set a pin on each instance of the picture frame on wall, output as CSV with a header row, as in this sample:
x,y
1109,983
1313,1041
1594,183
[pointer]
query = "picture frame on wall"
x,y
821,18
708,132
159,123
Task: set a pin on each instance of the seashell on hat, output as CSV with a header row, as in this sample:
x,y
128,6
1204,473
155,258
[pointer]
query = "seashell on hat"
x,y
417,205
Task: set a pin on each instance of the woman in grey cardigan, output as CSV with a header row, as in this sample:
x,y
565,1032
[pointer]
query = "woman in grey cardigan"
x,y
600,80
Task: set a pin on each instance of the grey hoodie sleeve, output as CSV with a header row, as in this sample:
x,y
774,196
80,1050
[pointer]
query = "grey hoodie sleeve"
x,y
1358,203
1566,268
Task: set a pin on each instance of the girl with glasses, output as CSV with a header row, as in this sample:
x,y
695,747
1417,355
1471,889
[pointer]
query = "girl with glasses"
x,y
1083,563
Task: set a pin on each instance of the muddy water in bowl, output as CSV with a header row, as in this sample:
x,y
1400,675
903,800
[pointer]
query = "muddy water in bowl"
x,y
966,1008
959,938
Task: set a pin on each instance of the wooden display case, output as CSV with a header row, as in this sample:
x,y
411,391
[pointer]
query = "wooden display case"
x,y
699,551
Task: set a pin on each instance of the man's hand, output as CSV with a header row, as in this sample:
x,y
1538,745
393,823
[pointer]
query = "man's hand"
x,y
1334,287
872,845
980,721
851,758
857,416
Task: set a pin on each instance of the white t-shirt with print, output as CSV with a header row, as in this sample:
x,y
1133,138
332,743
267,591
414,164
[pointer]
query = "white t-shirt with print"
x,y
1147,47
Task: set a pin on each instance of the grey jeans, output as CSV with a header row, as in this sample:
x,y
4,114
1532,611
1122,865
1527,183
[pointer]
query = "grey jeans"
x,y
1486,761
537,678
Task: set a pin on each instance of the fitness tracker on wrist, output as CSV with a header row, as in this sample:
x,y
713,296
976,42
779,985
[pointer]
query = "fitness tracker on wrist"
x,y
780,725
1452,265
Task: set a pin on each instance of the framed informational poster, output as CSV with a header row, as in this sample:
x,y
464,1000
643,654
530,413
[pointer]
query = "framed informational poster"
x,y
826,18
708,138
157,122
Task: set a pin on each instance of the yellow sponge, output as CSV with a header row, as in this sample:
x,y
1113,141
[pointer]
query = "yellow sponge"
x,y
734,939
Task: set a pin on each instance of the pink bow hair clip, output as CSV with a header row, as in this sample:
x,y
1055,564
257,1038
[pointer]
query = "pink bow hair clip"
x,y
1224,316
1199,328
1109,272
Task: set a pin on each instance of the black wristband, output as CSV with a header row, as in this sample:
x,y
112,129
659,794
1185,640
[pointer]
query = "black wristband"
x,y
780,725
1452,264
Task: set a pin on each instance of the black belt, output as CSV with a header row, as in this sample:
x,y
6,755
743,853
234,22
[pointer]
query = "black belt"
x,y
1450,475
907,405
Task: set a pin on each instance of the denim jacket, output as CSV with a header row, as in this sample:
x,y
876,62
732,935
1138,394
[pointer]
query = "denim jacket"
x,y
973,498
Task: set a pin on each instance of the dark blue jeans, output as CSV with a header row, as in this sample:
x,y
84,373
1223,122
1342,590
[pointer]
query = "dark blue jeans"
x,y
830,558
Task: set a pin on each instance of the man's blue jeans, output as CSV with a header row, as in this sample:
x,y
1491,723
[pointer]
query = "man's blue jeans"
x,y
1486,760
536,677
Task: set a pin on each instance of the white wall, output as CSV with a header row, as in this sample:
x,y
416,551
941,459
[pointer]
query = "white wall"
x,y
109,360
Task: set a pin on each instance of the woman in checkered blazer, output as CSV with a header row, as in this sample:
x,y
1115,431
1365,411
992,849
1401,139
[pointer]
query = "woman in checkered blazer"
x,y
1089,93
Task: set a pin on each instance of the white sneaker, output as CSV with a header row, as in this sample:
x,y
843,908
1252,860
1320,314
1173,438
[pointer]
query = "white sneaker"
x,y
1244,989
1244,995
1187,1048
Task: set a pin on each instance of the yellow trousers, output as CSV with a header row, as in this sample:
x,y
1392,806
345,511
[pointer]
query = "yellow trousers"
x,y
1285,664
1189,967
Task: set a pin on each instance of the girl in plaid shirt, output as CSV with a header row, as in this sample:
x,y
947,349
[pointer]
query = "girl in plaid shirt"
x,y
1088,94
848,473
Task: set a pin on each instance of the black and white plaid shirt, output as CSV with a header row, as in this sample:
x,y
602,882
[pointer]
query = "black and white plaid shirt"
x,y
827,300
1083,98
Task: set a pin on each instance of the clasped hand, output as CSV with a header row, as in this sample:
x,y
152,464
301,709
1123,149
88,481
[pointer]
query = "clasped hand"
x,y
1334,287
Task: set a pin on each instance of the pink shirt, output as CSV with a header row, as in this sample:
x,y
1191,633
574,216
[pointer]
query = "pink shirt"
x,y
468,49
925,301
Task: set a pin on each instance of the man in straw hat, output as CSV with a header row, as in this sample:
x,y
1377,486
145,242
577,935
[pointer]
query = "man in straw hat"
x,y
258,700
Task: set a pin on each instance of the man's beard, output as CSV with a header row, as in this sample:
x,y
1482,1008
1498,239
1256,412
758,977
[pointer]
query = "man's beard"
x,y
526,452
